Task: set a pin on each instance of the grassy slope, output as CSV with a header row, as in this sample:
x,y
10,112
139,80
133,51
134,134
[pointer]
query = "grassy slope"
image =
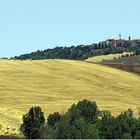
x,y
125,60
56,84
105,57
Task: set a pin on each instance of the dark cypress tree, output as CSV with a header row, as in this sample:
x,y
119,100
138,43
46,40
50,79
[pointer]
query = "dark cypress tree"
x,y
32,122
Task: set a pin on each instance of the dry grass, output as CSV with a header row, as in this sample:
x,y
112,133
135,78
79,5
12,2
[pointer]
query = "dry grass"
x,y
106,57
56,84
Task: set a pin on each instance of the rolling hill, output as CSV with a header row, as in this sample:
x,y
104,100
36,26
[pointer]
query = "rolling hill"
x,y
100,58
125,60
129,63
56,84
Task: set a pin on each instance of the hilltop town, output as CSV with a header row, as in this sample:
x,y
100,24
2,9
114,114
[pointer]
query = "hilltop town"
x,y
120,42
82,52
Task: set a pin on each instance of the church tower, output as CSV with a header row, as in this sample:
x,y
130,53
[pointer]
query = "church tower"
x,y
129,38
119,36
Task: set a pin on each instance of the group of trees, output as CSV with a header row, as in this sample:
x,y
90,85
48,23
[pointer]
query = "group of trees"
x,y
125,55
80,52
81,121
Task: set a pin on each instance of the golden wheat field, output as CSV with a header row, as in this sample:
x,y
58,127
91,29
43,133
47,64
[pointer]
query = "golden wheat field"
x,y
56,84
100,58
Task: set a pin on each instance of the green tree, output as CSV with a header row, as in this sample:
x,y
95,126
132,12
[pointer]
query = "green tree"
x,y
136,128
81,121
116,127
106,125
87,130
62,130
49,132
124,124
44,131
88,110
137,135
79,130
53,118
73,114
126,136
32,122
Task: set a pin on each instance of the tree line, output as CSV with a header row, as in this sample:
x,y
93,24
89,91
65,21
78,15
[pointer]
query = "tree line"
x,y
81,121
80,52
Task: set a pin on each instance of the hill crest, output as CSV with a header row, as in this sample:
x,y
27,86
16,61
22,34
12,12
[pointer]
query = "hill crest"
x,y
82,52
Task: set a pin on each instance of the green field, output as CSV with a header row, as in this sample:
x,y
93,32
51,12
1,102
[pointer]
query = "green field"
x,y
56,84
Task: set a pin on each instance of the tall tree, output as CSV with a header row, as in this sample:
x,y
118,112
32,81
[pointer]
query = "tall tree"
x,y
32,122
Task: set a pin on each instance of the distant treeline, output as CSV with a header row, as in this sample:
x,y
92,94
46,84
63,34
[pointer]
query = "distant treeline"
x,y
80,52
81,121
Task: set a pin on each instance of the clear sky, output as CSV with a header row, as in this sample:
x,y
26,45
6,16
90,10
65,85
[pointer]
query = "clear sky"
x,y
30,25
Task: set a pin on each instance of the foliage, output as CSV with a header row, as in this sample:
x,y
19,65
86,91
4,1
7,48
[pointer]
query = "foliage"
x,y
87,130
32,122
88,110
116,127
81,52
82,121
53,118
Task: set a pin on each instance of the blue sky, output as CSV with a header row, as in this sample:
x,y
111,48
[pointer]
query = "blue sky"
x,y
30,25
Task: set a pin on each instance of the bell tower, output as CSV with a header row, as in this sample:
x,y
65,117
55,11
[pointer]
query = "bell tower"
x,y
119,36
129,38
